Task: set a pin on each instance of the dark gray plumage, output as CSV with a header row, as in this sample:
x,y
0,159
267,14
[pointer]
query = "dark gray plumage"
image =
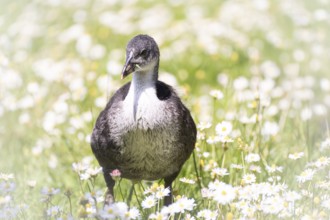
x,y
145,131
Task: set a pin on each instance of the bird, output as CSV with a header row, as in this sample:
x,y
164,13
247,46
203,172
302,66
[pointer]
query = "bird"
x,y
145,131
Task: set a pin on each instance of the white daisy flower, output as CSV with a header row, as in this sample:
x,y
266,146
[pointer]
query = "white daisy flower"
x,y
296,156
249,178
149,202
252,158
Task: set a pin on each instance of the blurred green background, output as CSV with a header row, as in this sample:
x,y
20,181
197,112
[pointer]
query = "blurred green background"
x,y
60,61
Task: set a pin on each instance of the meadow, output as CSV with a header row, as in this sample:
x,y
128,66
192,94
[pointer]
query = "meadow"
x,y
254,73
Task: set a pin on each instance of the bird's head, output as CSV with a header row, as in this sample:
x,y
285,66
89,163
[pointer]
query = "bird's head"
x,y
142,55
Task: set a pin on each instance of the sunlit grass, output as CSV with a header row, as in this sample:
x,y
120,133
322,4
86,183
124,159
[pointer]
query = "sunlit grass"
x,y
253,73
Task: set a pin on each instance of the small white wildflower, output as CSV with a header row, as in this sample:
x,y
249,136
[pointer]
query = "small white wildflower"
x,y
90,209
7,186
206,154
216,94
249,178
31,183
306,114
226,139
272,205
248,211
183,204
159,216
133,213
149,202
322,162
161,193
121,210
94,171
85,176
255,168
240,83
273,169
185,180
325,145
219,172
79,167
236,166
206,193
248,193
108,212
6,177
251,157
292,196
213,140
274,179
53,211
49,191
296,156
207,214
269,129
203,125
224,128
94,196
189,217
224,193
326,204
306,175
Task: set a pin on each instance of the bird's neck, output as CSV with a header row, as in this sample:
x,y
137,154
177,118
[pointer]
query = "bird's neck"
x,y
142,93
143,80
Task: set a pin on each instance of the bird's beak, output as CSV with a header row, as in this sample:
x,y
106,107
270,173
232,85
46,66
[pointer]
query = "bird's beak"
x,y
128,67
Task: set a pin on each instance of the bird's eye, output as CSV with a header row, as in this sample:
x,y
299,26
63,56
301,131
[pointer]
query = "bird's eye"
x,y
143,53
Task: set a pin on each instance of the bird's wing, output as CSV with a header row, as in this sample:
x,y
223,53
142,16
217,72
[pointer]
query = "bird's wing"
x,y
186,125
102,143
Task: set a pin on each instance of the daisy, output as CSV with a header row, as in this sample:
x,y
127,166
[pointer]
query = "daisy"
x,y
93,172
322,162
237,166
273,169
207,214
224,193
296,156
325,144
326,204
159,216
270,129
224,128
49,191
249,178
149,202
161,192
203,125
306,175
183,204
133,213
53,211
108,212
216,94
185,180
292,196
252,158
255,168
272,205
6,177
220,171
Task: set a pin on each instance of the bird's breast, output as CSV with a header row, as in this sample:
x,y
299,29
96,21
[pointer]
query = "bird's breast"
x,y
148,137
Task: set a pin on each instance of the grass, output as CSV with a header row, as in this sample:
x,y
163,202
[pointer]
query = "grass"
x,y
59,64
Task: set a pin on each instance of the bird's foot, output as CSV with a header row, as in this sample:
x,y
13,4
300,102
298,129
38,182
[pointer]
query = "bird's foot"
x,y
108,199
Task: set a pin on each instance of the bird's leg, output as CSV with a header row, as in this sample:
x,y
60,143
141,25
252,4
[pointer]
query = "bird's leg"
x,y
130,194
168,184
109,196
